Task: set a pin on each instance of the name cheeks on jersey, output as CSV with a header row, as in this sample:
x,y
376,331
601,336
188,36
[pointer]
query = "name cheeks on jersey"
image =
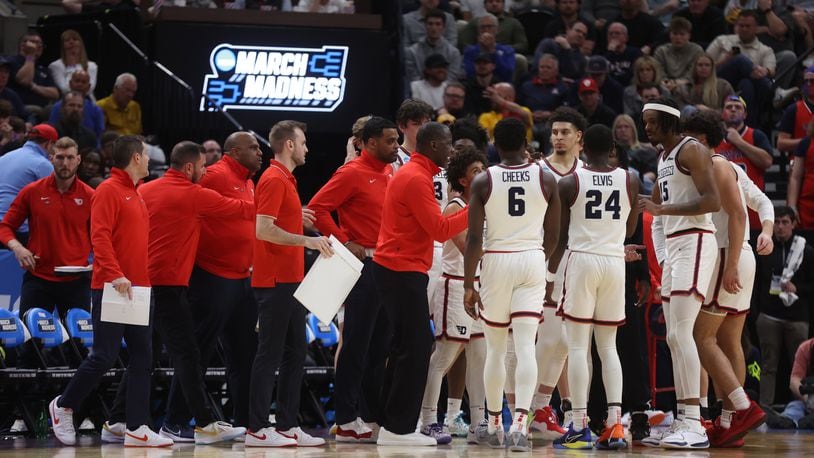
x,y
516,176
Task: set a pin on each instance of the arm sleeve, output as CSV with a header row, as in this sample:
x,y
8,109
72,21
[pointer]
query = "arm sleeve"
x,y
659,239
802,147
15,216
211,203
104,212
335,193
756,199
269,197
427,213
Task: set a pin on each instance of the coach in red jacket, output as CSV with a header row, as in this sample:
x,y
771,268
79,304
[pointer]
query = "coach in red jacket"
x,y
411,221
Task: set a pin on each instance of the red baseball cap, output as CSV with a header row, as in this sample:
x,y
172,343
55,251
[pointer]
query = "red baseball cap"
x,y
44,132
588,85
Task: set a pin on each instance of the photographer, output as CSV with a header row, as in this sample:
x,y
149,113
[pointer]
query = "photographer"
x,y
800,411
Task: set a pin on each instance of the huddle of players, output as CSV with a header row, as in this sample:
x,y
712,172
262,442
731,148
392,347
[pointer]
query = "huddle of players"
x,y
574,218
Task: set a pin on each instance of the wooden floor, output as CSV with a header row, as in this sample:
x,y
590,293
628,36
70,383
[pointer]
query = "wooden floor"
x,y
771,444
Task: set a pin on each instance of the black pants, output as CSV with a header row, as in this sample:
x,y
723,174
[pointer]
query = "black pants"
x,y
50,296
403,296
629,342
223,308
107,342
365,344
177,328
280,344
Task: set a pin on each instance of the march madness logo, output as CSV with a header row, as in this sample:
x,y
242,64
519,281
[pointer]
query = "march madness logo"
x,y
275,78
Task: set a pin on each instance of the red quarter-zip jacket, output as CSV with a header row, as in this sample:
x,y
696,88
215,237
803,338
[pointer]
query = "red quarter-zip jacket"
x,y
176,206
411,219
356,192
59,224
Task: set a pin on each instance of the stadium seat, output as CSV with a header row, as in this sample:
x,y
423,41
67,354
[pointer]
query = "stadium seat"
x,y
327,333
14,383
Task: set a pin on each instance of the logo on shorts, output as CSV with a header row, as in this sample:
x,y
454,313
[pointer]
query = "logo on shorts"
x,y
275,78
461,330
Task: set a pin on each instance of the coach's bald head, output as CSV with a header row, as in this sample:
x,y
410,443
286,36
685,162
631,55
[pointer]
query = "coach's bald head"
x,y
435,141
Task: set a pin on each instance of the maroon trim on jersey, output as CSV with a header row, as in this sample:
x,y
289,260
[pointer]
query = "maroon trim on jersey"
x,y
718,280
542,184
575,319
494,324
476,335
561,305
678,164
665,299
550,304
553,170
512,167
688,232
576,191
446,300
506,252
456,277
489,189
630,195
609,323
526,315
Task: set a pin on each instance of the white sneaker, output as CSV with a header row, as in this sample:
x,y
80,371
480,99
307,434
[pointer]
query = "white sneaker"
x,y
687,436
414,439
657,434
62,421
145,437
458,426
373,427
268,437
354,432
303,439
18,426
217,431
113,434
86,425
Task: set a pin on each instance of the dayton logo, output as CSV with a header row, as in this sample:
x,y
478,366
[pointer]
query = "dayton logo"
x,y
276,78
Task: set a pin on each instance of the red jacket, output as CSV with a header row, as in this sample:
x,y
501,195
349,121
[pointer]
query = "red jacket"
x,y
412,219
176,207
119,225
356,193
60,225
227,244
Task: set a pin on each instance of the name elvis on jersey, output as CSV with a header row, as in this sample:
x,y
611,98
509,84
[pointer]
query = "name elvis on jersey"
x,y
602,180
516,176
666,172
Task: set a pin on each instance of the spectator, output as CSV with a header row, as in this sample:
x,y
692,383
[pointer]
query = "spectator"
x,y
784,285
568,50
107,141
590,105
799,413
27,164
414,29
504,56
663,9
433,43
620,56
122,113
29,78
509,30
212,151
707,21
646,70
476,102
502,96
471,9
600,12
91,168
353,148
92,116
16,137
324,6
454,97
566,15
641,157
677,57
796,118
745,62
703,90
6,93
645,30
72,57
543,93
6,131
749,148
800,192
431,88
611,91
69,123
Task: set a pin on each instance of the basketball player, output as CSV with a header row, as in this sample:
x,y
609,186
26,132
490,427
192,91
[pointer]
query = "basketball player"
x,y
719,327
567,126
598,213
683,236
454,329
520,202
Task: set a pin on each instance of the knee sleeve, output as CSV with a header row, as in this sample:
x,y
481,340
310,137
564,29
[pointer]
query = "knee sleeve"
x,y
524,331
686,364
579,341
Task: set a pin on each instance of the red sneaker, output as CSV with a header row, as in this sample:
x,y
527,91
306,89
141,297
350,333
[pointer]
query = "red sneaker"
x,y
742,422
545,421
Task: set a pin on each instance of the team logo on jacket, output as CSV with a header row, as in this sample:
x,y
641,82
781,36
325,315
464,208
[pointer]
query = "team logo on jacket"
x,y
275,78
79,201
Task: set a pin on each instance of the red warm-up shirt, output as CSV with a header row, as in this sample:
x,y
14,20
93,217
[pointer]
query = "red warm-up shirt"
x,y
59,225
227,244
277,197
411,219
119,227
176,206
356,193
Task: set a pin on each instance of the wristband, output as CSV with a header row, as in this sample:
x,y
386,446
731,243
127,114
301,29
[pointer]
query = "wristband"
x,y
550,276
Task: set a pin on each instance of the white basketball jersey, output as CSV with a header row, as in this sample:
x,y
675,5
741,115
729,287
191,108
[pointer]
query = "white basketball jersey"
x,y
578,164
721,219
599,212
515,208
451,257
676,186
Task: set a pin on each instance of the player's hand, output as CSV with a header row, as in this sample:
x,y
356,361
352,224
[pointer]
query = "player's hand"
x,y
308,218
472,303
643,288
549,292
632,252
356,249
647,204
26,258
765,244
322,244
788,287
731,281
123,286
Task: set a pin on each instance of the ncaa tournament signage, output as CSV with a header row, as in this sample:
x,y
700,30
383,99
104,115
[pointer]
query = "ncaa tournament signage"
x,y
275,78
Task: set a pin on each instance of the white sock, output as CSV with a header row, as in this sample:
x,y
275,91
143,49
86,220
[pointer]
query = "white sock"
x,y
739,399
428,416
726,418
704,402
567,418
453,409
579,418
541,401
520,422
692,412
476,414
494,423
614,415
680,411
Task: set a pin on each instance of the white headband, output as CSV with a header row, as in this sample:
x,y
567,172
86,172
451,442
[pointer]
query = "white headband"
x,y
664,108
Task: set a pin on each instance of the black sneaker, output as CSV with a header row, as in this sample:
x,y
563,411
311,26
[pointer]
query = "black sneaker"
x,y
639,426
776,421
178,433
806,422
